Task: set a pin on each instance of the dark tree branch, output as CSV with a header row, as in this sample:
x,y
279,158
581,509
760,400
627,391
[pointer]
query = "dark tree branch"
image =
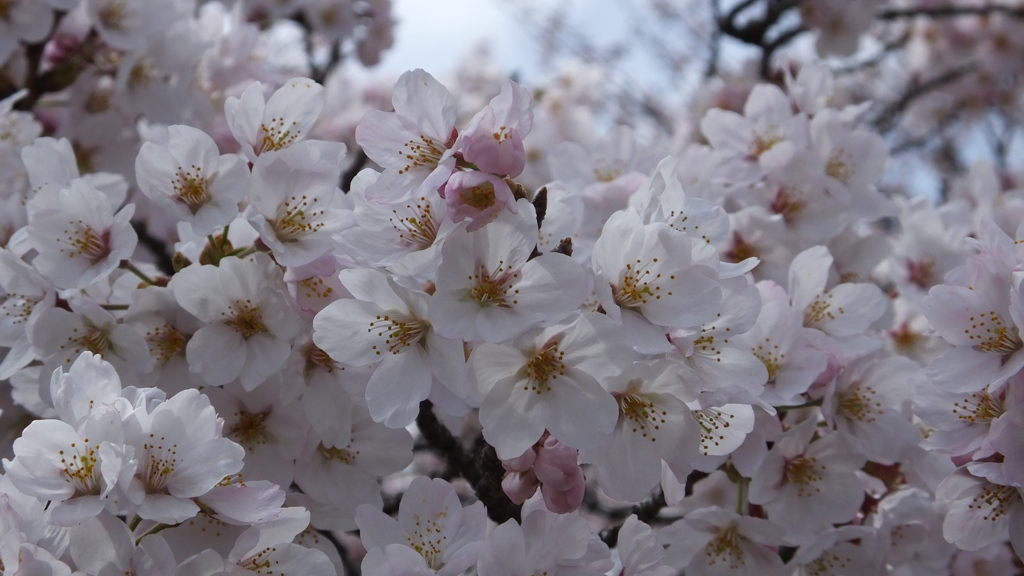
x,y
157,247
481,467
351,569
951,11
358,163
887,118
756,32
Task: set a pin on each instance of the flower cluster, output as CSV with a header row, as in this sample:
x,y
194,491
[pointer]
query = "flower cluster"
x,y
495,340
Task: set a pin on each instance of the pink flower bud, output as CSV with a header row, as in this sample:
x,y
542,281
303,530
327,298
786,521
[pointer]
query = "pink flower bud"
x,y
478,196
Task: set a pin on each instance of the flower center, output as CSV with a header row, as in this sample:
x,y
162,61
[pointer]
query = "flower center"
x,y
921,273
80,468
638,284
399,331
344,455
771,356
112,15
84,241
159,464
250,430
996,499
712,424
787,204
426,153
978,408
297,218
317,359
419,229
479,197
190,188
95,339
544,367
859,403
165,342
725,549
837,168
492,289
247,321
275,135
803,472
820,310
741,249
640,414
989,333
428,540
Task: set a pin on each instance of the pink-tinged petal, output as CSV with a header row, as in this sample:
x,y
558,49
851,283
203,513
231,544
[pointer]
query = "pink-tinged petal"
x,y
76,510
167,509
808,275
397,387
491,363
374,286
727,130
424,103
244,116
217,353
264,356
505,554
254,502
510,418
553,285
376,529
207,465
348,331
296,107
629,466
964,369
580,413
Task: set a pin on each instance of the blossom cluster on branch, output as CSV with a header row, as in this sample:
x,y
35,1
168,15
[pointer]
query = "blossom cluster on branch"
x,y
476,333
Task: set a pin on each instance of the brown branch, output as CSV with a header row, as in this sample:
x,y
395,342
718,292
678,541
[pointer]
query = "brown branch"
x,y
951,11
480,467
887,118
358,163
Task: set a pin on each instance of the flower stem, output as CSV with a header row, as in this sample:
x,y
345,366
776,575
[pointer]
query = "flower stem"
x,y
142,275
153,530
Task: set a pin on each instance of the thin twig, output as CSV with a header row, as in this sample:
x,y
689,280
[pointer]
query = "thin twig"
x,y
887,118
950,11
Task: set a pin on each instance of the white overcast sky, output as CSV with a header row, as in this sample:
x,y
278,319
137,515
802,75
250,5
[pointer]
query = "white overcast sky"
x,y
436,34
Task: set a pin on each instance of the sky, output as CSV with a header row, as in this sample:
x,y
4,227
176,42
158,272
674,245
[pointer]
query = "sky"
x,y
436,34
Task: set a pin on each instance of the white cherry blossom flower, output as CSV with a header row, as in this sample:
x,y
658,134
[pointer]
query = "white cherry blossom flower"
x,y
445,535
374,451
386,324
405,237
489,289
262,126
249,326
79,238
713,542
807,485
189,178
981,512
869,405
181,455
549,378
646,280
75,467
294,202
545,542
412,143
654,425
